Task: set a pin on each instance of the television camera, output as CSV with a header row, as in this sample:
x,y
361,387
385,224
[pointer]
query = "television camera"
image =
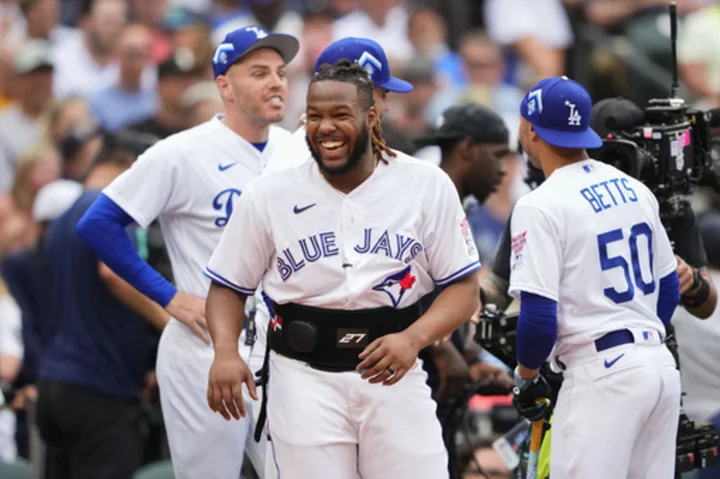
x,y
668,146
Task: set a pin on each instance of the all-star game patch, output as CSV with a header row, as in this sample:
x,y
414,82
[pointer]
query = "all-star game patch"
x,y
467,234
517,245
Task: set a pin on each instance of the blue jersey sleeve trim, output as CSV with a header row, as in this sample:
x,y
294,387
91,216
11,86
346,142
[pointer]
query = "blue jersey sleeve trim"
x,y
227,283
474,266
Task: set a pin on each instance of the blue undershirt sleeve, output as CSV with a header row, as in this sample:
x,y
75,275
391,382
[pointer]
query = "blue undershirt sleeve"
x,y
668,297
103,229
536,329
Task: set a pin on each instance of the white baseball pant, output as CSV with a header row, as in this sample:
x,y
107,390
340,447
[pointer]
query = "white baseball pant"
x,y
336,425
617,415
202,444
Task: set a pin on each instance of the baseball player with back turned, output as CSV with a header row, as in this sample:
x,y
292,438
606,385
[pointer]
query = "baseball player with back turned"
x,y
595,273
345,253
192,182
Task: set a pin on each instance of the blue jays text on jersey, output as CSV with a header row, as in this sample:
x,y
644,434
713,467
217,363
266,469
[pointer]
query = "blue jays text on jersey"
x,y
323,245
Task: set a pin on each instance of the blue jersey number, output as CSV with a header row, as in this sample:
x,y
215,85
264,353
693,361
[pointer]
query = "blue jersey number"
x,y
633,278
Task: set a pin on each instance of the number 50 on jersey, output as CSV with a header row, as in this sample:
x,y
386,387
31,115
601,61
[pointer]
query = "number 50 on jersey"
x,y
633,255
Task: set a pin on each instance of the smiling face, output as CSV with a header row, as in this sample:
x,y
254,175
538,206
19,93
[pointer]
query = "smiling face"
x,y
338,124
256,87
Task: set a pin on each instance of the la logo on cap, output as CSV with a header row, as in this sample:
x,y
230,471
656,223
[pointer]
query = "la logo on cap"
x,y
574,119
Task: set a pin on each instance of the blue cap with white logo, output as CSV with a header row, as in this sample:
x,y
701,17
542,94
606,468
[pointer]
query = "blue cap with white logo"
x,y
559,110
242,41
370,55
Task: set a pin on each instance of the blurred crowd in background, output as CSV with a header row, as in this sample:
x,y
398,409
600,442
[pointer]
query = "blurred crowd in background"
x,y
74,71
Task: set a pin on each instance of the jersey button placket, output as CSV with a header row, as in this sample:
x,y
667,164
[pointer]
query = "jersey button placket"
x,y
348,259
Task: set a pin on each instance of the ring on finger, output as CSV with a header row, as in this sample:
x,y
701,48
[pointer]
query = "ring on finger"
x,y
392,371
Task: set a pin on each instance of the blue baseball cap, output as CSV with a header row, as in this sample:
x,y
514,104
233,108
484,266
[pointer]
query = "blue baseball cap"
x,y
370,55
559,110
242,41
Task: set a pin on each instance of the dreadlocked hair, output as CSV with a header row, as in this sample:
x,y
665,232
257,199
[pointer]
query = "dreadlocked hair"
x,y
378,144
351,72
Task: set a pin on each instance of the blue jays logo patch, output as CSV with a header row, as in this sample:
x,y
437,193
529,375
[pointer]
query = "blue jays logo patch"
x,y
396,284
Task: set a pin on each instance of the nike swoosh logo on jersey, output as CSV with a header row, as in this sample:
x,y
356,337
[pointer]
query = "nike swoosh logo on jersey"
x,y
297,210
225,167
609,364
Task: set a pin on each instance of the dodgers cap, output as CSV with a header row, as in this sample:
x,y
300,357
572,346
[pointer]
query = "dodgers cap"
x,y
472,120
242,41
559,110
370,55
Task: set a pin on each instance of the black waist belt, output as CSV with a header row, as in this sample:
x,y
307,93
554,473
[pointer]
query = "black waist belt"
x,y
329,339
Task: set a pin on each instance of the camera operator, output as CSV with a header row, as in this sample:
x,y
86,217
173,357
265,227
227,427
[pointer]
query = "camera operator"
x,y
473,140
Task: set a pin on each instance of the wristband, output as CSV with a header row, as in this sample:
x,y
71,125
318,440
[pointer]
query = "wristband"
x,y
701,296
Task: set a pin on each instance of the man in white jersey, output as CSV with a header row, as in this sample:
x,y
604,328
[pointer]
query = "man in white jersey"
x,y
369,55
346,253
192,182
595,273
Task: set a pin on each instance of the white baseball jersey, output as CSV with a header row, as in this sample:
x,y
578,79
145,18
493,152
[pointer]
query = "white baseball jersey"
x,y
191,182
590,238
382,244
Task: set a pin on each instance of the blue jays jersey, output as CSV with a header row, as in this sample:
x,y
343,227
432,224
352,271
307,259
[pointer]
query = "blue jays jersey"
x,y
192,182
382,244
590,238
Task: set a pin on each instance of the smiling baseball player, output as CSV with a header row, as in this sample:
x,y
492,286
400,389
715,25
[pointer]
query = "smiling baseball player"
x,y
345,256
369,55
192,182
595,273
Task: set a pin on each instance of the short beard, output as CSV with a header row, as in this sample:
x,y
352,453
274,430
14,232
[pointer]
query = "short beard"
x,y
360,147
